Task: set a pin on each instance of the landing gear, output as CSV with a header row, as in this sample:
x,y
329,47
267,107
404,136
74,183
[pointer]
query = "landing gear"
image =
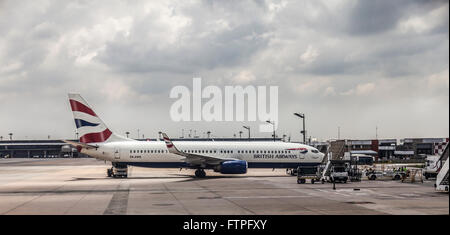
x,y
200,173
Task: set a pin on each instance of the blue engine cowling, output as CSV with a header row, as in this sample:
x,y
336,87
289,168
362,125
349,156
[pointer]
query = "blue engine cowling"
x,y
233,167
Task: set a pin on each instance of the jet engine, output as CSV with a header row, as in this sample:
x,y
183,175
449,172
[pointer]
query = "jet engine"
x,y
233,167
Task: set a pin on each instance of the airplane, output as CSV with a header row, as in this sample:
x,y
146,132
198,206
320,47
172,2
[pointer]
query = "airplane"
x,y
225,157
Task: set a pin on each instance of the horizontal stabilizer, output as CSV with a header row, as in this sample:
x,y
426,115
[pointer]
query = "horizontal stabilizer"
x,y
79,144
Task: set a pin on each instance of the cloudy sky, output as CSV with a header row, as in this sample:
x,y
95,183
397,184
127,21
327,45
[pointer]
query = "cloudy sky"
x,y
353,64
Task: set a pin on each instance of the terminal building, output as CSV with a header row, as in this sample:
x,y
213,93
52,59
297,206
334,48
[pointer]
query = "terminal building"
x,y
390,149
37,149
429,146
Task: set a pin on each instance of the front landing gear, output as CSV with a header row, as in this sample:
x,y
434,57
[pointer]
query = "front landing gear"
x,y
200,173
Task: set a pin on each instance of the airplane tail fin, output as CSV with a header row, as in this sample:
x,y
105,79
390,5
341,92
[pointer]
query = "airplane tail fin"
x,y
169,144
90,128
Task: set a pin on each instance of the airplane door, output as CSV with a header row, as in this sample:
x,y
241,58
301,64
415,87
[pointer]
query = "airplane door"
x,y
301,155
116,154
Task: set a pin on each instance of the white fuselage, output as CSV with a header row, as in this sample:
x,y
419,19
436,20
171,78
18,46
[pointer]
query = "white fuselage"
x,y
256,153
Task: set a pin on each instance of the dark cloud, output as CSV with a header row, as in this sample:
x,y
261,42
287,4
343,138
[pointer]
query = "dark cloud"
x,y
369,17
201,41
378,16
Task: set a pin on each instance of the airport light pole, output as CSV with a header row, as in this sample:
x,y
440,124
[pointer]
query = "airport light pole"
x,y
376,132
302,116
273,124
248,128
339,132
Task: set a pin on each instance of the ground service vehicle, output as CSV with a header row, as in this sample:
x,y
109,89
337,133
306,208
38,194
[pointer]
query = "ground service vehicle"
x,y
307,172
395,175
339,174
431,169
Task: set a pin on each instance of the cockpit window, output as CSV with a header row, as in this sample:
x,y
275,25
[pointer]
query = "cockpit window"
x,y
315,151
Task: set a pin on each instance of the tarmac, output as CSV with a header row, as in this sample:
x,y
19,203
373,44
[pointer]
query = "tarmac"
x,y
80,186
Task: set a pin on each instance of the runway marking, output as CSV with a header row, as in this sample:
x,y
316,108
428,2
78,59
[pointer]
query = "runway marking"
x,y
328,191
119,202
265,197
178,201
230,201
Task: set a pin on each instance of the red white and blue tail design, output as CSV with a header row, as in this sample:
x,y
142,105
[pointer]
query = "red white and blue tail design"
x,y
90,127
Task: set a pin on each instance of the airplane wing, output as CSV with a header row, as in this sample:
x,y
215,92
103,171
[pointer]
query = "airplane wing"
x,y
80,145
194,158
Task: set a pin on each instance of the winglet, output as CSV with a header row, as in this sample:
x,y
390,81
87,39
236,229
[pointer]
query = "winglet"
x,y
169,144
